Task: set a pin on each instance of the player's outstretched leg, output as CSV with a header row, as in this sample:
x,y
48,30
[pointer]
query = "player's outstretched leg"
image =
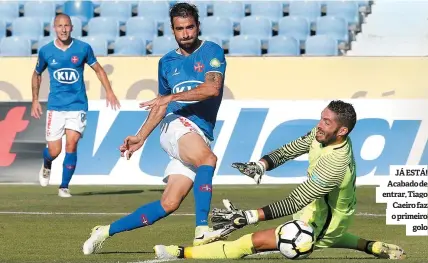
x,y
69,163
205,161
49,155
249,244
176,190
378,249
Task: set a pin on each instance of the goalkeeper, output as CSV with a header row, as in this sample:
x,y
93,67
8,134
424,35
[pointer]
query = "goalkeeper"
x,y
326,200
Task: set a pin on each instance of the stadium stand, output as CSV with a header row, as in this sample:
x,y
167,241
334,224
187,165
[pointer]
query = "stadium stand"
x,y
359,28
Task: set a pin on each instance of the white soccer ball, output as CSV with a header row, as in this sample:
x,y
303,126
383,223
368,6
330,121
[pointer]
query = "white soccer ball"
x,y
295,239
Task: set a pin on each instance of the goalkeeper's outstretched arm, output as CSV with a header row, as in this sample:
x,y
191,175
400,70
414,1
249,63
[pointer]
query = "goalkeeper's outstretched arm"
x,y
289,151
327,175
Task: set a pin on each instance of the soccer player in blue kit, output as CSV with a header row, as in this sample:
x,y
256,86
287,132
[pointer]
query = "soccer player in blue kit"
x,y
65,58
191,82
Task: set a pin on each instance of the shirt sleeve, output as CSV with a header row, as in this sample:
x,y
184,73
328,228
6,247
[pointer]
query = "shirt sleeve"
x,y
326,176
90,57
41,63
290,150
214,60
163,88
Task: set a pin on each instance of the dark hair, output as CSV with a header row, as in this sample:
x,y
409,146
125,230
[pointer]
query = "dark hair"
x,y
184,10
345,113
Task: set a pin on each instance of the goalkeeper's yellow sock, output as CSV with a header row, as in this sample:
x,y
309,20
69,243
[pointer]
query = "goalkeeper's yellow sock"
x,y
222,249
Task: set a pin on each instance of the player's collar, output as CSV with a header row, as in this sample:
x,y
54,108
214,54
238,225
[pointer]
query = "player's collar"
x,y
72,41
179,53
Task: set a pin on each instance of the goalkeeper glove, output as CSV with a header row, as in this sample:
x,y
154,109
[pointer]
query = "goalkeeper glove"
x,y
231,218
254,170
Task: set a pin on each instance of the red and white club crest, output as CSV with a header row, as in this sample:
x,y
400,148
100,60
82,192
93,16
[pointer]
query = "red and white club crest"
x,y
74,59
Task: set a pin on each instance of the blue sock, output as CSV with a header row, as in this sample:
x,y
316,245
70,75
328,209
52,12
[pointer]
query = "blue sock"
x,y
143,216
47,159
202,190
68,167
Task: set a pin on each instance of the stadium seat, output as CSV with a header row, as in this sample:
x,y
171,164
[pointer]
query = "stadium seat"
x,y
29,27
283,46
99,44
9,11
321,45
308,9
108,27
202,8
272,10
15,46
44,11
163,45
348,10
245,46
165,24
158,10
77,26
82,9
219,27
122,11
259,27
216,40
335,27
43,41
142,27
234,10
132,46
295,26
2,28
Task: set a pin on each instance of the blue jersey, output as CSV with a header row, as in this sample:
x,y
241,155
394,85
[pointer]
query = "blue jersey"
x,y
178,73
67,86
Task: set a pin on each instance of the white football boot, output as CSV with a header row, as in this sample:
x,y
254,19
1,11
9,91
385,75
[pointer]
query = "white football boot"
x,y
98,235
64,192
168,252
44,176
205,235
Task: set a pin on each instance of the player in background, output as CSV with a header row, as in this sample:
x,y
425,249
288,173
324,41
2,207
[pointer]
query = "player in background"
x,y
65,59
326,200
191,82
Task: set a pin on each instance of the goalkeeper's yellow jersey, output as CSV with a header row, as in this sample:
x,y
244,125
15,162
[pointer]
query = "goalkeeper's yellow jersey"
x,y
327,200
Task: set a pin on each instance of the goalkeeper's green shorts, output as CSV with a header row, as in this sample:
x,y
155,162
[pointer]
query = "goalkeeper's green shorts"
x,y
329,226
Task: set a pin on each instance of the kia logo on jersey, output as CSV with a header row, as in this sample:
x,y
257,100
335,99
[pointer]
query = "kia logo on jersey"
x,y
66,75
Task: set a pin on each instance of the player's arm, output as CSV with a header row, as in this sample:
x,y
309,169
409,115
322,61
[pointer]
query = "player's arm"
x,y
289,151
36,81
103,78
156,113
327,175
277,157
210,88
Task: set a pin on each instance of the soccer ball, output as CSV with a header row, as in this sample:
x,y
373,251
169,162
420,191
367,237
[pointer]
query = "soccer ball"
x,y
295,239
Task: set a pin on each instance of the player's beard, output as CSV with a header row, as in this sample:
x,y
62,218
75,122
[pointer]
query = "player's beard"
x,y
190,46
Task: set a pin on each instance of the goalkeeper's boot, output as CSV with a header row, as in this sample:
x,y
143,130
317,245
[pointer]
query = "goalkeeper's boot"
x,y
387,251
98,235
168,252
44,176
205,235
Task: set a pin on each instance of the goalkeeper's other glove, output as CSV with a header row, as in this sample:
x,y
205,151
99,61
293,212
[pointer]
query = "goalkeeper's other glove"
x,y
254,170
231,218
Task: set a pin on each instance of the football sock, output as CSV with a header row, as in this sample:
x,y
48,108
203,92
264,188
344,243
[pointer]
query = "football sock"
x,y
202,190
47,159
143,216
68,167
222,249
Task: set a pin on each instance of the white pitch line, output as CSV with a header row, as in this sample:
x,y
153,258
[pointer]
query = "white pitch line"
x,y
121,214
